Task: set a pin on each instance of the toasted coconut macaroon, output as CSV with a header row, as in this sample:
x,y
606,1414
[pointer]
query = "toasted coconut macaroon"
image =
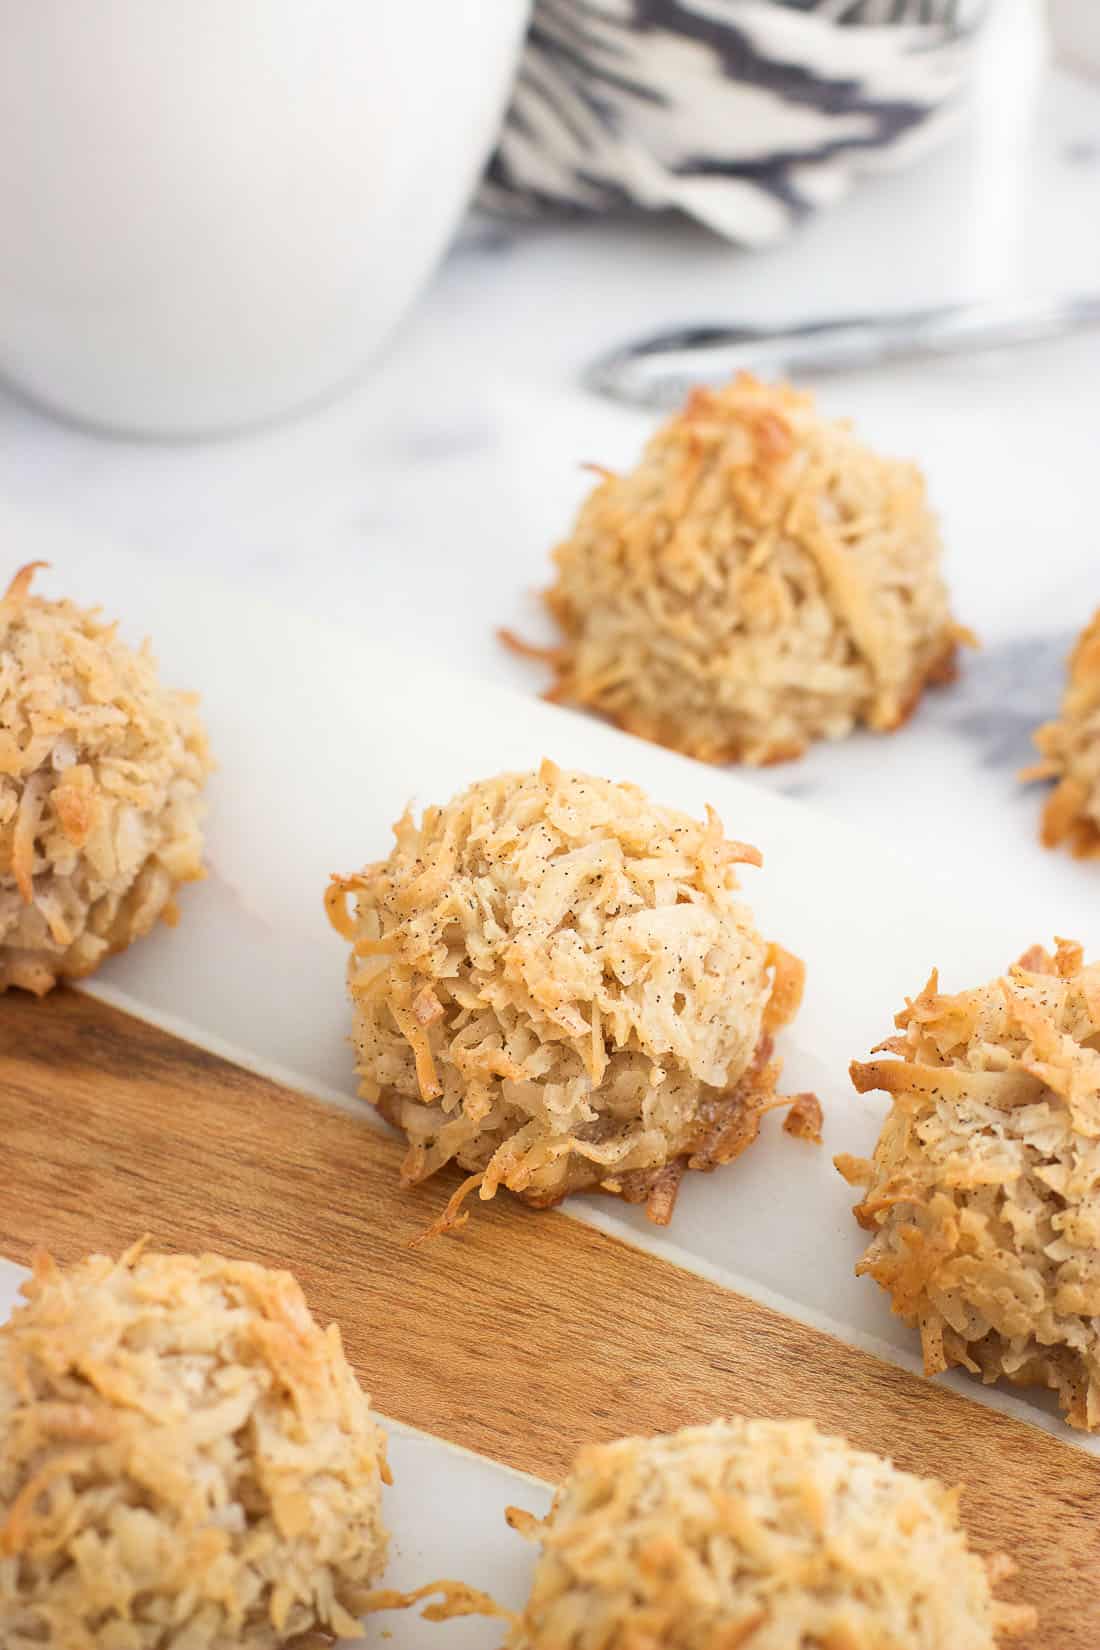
x,y
185,1459
767,1535
101,770
1071,754
555,984
760,580
983,1196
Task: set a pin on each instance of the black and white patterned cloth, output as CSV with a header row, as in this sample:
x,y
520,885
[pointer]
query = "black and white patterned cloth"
x,y
745,114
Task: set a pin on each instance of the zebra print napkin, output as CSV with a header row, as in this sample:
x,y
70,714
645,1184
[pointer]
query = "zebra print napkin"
x,y
745,114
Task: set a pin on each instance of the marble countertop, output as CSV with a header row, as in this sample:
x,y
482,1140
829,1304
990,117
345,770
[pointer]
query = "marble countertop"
x,y
424,500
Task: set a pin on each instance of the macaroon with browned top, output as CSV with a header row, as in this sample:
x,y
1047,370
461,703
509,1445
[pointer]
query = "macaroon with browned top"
x,y
186,1459
983,1195
759,1535
556,986
1070,747
101,775
760,580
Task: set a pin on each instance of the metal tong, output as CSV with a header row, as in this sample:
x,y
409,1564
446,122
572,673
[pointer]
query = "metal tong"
x,y
659,371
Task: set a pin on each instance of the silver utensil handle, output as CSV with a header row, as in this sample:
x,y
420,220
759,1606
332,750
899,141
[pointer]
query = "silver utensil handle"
x,y
660,370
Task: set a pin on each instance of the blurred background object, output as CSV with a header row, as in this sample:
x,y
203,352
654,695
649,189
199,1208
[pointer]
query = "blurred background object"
x,y
661,370
744,114
214,211
1075,32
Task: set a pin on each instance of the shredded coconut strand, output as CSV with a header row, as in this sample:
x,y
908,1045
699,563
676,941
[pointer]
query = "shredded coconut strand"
x,y
1071,752
186,1461
100,774
984,1191
764,1535
555,986
758,581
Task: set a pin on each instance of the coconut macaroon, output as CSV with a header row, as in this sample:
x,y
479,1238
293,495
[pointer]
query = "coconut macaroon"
x,y
767,1535
101,770
186,1459
555,984
760,580
983,1196
1071,754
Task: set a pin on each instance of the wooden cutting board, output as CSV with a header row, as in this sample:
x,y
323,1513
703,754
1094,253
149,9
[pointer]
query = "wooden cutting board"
x,y
522,1338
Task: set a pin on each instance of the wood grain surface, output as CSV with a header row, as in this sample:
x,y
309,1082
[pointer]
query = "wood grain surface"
x,y
523,1337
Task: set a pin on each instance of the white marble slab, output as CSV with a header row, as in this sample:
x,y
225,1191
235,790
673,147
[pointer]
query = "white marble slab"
x,y
445,1512
322,738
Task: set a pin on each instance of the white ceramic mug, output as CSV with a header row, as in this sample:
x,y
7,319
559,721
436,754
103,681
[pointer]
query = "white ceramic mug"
x,y
213,211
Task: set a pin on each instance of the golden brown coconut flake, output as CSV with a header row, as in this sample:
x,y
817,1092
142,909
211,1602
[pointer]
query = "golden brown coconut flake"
x,y
759,1535
983,1195
185,1459
101,771
556,986
760,580
1071,751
